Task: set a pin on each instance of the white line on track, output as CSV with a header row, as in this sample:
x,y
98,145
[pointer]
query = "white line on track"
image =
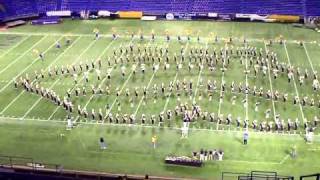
x,y
37,102
294,82
16,45
174,81
22,55
20,94
271,88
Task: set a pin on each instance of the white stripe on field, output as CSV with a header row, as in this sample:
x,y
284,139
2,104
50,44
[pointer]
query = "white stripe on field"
x,y
247,83
294,82
308,57
16,45
199,77
22,55
88,47
146,36
140,102
222,81
27,67
58,57
170,128
271,88
174,81
34,104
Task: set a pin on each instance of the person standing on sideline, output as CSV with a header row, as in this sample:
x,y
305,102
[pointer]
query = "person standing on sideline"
x,y
245,137
154,141
103,144
294,151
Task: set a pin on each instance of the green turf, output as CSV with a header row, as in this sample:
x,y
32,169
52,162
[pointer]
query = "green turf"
x,y
129,149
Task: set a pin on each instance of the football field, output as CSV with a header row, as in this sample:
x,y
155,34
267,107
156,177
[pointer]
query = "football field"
x,y
134,77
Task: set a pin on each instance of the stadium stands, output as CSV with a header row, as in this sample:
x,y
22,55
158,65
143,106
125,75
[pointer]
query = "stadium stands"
x,y
22,8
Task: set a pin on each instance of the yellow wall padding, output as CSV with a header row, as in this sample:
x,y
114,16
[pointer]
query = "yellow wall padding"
x,y
284,18
130,14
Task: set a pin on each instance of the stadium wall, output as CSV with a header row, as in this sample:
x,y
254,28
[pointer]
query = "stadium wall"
x,y
15,9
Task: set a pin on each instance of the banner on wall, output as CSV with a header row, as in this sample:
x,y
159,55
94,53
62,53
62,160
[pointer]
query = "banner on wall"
x,y
58,13
104,13
169,16
130,14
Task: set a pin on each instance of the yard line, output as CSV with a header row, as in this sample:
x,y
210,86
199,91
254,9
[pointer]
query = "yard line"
x,y
308,57
27,67
284,159
222,81
16,45
37,102
271,88
149,126
174,81
140,102
58,79
57,108
17,97
22,55
294,82
247,84
199,77
110,35
124,84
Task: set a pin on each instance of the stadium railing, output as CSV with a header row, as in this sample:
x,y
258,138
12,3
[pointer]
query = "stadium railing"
x,y
15,161
255,175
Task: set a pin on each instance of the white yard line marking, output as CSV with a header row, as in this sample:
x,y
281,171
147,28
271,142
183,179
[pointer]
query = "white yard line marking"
x,y
294,82
252,162
55,110
37,102
149,126
308,57
141,100
124,84
58,57
110,35
222,81
284,159
16,45
247,83
199,77
271,88
27,67
22,55
87,48
174,81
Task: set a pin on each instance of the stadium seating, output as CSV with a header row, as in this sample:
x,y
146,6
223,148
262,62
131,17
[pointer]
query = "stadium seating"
x,y
20,8
312,7
45,5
